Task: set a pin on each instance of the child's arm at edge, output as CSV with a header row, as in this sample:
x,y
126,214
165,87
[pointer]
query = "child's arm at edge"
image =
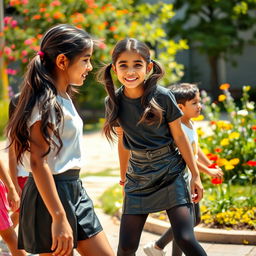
x,y
185,149
123,153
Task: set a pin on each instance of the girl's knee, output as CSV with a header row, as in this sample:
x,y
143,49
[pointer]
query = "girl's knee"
x,y
184,239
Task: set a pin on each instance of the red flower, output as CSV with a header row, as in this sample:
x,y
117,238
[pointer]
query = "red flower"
x,y
216,181
251,163
254,127
213,166
218,150
212,157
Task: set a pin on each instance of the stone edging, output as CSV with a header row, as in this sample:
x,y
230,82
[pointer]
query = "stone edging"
x,y
207,234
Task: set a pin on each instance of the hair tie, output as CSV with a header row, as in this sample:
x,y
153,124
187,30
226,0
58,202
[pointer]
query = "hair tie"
x,y
41,54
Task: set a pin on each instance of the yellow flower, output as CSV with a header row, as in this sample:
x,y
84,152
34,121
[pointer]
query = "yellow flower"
x,y
222,97
221,162
234,135
224,142
229,167
245,242
205,151
247,88
224,86
224,125
234,161
200,132
199,118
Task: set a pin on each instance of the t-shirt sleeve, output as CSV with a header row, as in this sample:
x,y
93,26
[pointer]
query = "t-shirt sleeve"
x,y
173,111
35,116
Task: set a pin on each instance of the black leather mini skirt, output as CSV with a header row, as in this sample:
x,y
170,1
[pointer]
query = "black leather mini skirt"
x,y
155,181
35,220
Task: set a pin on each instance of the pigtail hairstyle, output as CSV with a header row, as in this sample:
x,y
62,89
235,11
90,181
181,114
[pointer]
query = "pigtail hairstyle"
x,y
38,88
111,104
152,111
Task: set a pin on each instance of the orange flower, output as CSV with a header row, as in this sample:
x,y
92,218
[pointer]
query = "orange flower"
x,y
218,150
224,86
58,15
36,17
112,28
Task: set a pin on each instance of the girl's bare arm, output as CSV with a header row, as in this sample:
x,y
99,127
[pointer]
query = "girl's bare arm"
x,y
124,154
62,235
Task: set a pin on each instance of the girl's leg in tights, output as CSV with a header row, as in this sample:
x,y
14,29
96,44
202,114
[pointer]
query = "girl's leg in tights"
x,y
129,235
167,237
176,251
182,226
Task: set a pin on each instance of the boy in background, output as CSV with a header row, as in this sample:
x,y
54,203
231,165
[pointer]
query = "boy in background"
x,y
188,99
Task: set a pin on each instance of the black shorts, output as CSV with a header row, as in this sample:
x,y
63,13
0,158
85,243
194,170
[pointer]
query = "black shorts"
x,y
35,221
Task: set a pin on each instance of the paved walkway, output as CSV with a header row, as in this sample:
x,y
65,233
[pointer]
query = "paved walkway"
x,y
101,156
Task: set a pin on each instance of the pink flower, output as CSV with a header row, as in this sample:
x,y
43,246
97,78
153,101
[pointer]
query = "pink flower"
x,y
28,41
55,3
14,23
24,53
7,50
102,45
7,20
11,71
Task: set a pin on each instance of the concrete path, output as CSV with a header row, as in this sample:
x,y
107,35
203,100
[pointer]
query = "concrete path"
x,y
100,155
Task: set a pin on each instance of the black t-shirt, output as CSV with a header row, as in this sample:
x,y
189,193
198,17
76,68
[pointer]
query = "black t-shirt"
x,y
143,136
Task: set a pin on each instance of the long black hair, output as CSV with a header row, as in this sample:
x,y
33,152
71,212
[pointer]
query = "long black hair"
x,y
152,111
38,87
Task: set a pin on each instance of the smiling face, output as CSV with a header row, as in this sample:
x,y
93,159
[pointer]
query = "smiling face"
x,y
79,68
131,69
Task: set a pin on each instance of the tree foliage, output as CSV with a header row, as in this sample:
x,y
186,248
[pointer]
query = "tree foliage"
x,y
108,21
215,28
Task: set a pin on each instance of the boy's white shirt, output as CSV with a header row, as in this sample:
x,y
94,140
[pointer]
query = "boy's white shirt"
x,y
193,140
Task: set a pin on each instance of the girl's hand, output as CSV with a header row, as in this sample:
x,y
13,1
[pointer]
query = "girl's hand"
x,y
62,237
13,199
196,189
215,173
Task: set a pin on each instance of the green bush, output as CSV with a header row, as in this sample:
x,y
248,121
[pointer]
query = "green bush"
x,y
108,21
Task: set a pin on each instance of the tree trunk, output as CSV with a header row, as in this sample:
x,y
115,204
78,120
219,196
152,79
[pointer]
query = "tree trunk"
x,y
213,61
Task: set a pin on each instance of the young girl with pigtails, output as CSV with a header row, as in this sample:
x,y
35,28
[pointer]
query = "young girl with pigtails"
x,y
151,146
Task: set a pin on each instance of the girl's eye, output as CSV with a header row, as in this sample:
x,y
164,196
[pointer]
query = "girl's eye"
x,y
138,65
122,66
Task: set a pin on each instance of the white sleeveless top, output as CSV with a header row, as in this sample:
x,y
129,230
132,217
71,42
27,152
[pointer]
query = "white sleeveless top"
x,y
193,139
192,136
71,155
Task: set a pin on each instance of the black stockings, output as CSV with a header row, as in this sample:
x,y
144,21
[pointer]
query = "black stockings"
x,y
182,229
167,237
130,232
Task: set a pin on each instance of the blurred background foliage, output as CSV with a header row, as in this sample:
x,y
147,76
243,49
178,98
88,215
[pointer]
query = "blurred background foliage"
x,y
109,21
